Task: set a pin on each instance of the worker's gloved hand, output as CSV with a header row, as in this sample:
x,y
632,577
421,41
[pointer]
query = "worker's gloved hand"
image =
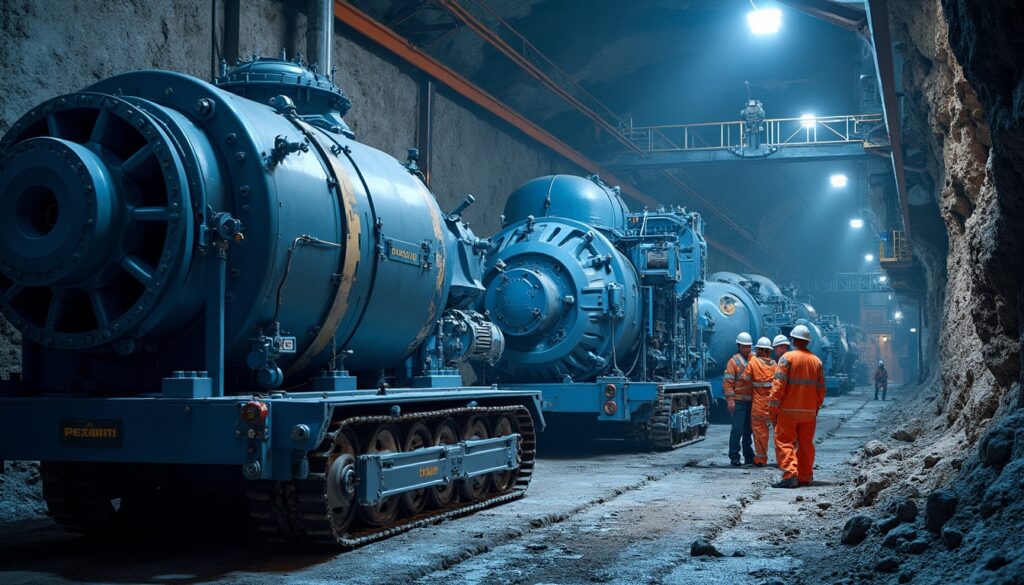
x,y
731,405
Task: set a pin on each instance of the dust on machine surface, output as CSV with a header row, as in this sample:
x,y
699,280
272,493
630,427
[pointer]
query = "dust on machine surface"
x,y
598,309
219,281
732,303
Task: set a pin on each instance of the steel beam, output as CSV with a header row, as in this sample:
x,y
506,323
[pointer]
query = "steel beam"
x,y
878,22
403,49
678,158
518,58
841,15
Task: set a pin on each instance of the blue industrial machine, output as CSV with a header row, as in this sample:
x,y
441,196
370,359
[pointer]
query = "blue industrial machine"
x,y
191,264
843,354
598,309
731,303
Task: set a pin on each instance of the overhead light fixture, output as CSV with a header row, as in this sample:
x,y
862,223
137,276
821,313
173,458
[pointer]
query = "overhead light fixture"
x,y
883,278
869,257
913,329
885,338
808,120
839,181
898,315
764,21
856,223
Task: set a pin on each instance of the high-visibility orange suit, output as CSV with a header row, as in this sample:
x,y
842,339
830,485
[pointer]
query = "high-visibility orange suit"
x,y
797,394
760,373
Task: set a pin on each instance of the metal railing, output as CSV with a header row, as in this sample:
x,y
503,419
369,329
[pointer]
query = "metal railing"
x,y
775,133
895,248
843,282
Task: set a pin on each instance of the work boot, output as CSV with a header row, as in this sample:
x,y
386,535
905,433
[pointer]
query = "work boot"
x,y
759,464
787,484
735,463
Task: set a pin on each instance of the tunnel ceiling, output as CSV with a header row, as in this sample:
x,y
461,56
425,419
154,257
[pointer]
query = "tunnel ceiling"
x,y
675,62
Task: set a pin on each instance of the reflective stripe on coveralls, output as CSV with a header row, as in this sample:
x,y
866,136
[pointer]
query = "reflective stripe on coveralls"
x,y
734,385
760,372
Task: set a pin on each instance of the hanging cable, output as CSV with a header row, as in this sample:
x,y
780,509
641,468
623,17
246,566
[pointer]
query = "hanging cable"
x,y
303,239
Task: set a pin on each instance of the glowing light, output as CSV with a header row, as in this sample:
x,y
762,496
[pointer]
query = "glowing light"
x,y
839,181
898,315
885,338
883,278
764,21
808,120
869,257
913,329
856,223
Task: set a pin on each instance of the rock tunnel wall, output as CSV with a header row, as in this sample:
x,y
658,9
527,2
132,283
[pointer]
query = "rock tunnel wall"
x,y
960,103
957,445
50,48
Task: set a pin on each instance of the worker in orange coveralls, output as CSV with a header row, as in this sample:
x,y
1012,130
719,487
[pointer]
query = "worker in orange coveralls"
x,y
760,372
738,396
797,395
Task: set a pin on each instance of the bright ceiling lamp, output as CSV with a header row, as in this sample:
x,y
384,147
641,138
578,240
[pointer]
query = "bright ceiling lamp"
x,y
883,278
856,223
869,257
808,120
839,180
764,21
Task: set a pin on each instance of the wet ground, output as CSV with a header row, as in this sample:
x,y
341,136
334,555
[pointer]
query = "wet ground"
x,y
604,516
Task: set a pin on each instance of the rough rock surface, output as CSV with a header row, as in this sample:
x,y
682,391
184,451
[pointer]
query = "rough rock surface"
x,y
21,493
964,80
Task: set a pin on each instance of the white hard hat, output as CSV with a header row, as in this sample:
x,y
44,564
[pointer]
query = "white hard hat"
x,y
881,363
744,339
780,340
801,332
764,343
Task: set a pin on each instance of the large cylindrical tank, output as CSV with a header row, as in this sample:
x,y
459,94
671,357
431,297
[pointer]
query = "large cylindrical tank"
x,y
727,309
567,301
586,200
111,200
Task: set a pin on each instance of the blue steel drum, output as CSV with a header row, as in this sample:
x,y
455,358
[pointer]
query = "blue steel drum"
x,y
106,200
586,200
727,310
566,300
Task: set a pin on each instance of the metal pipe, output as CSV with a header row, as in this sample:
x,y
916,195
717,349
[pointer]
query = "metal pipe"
x,y
232,24
425,127
878,21
320,34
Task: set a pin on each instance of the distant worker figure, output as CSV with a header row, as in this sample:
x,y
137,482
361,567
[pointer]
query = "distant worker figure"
x,y
760,372
797,395
780,345
738,396
881,379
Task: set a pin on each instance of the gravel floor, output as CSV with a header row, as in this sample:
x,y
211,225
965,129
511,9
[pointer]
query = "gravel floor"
x,y
606,516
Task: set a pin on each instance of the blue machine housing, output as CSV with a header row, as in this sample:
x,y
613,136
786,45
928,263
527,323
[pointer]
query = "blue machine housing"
x,y
598,306
733,303
220,275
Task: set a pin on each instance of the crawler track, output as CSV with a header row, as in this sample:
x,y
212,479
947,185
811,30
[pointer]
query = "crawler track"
x,y
299,511
658,435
